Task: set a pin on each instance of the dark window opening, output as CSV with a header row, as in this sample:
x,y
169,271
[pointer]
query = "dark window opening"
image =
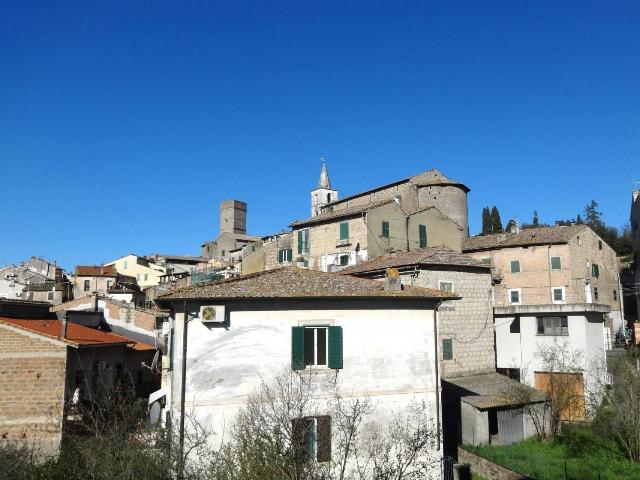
x,y
515,325
553,326
447,349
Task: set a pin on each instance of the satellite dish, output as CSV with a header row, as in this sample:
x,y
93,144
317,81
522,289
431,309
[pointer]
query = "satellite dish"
x,y
209,314
154,413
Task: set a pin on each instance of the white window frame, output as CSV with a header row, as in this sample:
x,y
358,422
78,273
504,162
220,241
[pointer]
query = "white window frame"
x,y
551,263
315,328
553,297
306,237
447,304
519,302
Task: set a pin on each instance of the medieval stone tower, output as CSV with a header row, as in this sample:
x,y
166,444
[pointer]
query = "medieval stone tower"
x,y
323,193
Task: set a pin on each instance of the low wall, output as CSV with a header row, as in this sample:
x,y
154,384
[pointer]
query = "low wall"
x,y
487,468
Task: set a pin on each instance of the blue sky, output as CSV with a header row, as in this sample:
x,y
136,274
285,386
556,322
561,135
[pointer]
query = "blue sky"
x,y
124,124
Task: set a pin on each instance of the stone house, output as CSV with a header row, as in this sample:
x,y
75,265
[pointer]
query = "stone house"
x,y
35,270
89,279
43,362
466,340
270,252
373,339
427,209
48,291
555,286
142,269
233,232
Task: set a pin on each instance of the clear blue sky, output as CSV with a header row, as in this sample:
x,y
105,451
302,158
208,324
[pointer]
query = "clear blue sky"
x,y
124,124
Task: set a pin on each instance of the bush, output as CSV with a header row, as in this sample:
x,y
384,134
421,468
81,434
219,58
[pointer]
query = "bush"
x,y
582,441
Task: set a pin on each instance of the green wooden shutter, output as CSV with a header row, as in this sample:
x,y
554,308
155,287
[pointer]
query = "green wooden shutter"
x,y
171,334
310,439
385,229
297,348
324,438
289,254
422,230
335,347
344,231
447,349
299,241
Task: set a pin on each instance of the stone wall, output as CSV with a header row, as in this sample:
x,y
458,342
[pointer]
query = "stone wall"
x,y
486,468
32,382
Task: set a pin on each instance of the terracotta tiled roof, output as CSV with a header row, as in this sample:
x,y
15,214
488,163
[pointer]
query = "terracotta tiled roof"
x,y
294,282
96,271
525,237
328,214
429,256
78,335
43,287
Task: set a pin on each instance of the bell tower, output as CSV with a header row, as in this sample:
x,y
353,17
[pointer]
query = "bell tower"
x,y
323,194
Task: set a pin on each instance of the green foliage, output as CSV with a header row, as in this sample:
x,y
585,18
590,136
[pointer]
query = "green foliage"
x,y
486,221
546,460
580,441
496,223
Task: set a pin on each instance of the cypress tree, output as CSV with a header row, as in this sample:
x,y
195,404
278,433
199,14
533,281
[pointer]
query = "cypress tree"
x,y
535,222
496,223
486,221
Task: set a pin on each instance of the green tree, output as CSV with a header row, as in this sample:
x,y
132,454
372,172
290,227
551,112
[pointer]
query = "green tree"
x,y
592,215
535,222
486,221
496,223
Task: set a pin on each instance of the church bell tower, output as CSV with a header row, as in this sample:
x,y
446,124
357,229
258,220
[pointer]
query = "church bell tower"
x,y
323,194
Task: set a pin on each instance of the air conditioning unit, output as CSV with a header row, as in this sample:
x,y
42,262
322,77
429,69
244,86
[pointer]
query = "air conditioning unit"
x,y
162,342
212,314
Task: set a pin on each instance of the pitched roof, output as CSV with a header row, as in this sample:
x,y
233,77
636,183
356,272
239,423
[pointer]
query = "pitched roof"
x,y
96,271
43,287
525,237
492,390
77,335
294,282
442,256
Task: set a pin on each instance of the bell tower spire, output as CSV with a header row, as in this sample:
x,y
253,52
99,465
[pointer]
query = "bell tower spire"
x,y
323,194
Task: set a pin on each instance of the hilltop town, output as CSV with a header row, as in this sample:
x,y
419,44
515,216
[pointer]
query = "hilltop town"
x,y
380,301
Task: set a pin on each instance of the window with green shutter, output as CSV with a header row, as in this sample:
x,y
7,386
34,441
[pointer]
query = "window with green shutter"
x,y
316,346
344,231
303,241
595,270
285,255
422,231
515,266
335,347
297,348
556,263
385,229
447,349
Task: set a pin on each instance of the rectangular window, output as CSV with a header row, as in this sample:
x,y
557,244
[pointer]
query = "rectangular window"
x,y
138,277
595,270
319,346
126,264
146,276
422,232
595,293
447,349
285,255
344,231
87,285
486,260
556,263
344,260
515,266
303,241
553,326
615,295
385,229
49,296
558,294
599,244
446,286
109,282
312,438
514,295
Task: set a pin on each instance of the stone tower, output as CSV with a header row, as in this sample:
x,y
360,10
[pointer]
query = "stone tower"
x,y
323,193
233,217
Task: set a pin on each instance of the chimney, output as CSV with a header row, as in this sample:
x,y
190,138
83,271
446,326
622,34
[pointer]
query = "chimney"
x,y
392,281
63,326
514,228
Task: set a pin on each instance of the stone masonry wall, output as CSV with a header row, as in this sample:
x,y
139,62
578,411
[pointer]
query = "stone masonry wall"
x,y
488,469
32,379
469,321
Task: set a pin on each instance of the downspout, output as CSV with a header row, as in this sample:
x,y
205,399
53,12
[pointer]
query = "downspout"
x,y
185,318
437,370
406,226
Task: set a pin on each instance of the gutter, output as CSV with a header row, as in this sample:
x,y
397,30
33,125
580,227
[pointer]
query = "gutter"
x,y
437,370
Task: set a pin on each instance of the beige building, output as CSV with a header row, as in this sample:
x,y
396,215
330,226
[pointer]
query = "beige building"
x,y
145,272
559,265
422,211
271,252
233,232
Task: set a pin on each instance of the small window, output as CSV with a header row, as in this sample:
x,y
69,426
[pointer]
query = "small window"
x,y
595,270
328,198
344,231
553,326
313,438
109,282
486,260
515,266
422,232
138,277
315,346
558,294
556,263
126,264
146,277
579,241
87,285
285,255
447,349
595,293
303,241
344,260
385,229
446,286
514,327
599,244
49,296
615,295
514,296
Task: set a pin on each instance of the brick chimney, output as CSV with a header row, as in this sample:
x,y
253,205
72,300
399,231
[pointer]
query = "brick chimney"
x,y
392,281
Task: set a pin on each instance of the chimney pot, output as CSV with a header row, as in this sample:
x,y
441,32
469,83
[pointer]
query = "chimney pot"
x,y
63,327
392,282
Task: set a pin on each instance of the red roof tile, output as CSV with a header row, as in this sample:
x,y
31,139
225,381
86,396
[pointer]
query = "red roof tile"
x,y
76,334
96,271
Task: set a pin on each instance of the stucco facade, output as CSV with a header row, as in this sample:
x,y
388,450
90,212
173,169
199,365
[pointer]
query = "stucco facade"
x,y
145,272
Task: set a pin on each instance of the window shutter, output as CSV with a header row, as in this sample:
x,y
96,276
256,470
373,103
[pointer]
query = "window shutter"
x,y
335,347
447,349
422,230
324,438
299,241
289,254
297,348
310,439
298,437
